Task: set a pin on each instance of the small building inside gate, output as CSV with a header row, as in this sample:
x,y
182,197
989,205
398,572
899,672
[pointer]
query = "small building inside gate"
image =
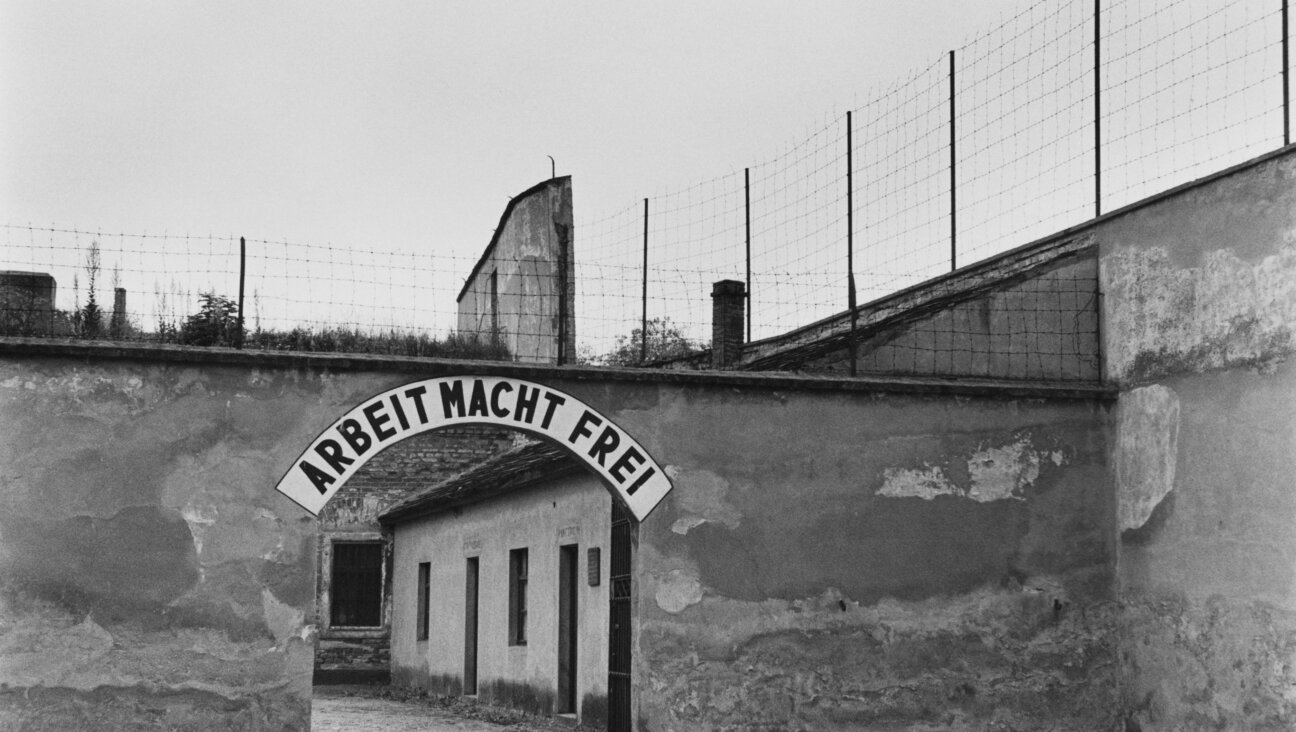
x,y
501,585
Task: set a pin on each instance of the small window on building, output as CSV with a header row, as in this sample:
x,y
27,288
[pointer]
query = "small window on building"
x,y
517,597
424,578
357,584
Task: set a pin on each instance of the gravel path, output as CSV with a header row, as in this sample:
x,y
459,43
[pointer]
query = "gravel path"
x,y
383,709
359,714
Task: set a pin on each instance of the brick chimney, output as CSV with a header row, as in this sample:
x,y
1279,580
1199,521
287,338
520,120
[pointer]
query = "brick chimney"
x,y
117,325
728,303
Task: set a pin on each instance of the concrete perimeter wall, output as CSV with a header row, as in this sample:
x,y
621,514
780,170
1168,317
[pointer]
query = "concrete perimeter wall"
x,y
1200,303
856,561
151,577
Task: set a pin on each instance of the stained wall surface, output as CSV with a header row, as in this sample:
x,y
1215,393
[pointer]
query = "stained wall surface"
x,y
150,577
1200,303
848,561
523,288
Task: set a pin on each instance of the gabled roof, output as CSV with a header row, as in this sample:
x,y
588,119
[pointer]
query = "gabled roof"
x,y
509,471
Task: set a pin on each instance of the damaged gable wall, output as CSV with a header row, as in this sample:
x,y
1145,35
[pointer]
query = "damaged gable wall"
x,y
524,283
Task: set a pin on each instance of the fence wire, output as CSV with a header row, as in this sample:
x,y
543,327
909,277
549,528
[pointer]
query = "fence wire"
x,y
982,150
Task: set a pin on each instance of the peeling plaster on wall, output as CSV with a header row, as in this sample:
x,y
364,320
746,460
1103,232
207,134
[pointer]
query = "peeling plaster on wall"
x,y
37,654
1001,472
140,542
701,497
996,474
913,483
1225,312
284,621
677,591
1147,449
828,662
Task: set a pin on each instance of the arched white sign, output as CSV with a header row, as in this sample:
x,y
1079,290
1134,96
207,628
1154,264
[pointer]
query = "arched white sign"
x,y
407,410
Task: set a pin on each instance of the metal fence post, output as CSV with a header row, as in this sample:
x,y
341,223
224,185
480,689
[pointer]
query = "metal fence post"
x,y
747,213
850,243
1097,44
643,328
1286,87
952,168
238,338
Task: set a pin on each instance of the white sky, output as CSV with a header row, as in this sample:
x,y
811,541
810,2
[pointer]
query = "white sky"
x,y
405,127
409,124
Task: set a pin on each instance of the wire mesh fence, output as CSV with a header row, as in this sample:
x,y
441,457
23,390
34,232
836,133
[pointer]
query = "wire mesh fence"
x,y
1065,110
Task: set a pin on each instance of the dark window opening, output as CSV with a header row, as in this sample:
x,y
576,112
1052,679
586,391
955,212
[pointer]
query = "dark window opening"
x,y
517,597
494,306
424,581
357,585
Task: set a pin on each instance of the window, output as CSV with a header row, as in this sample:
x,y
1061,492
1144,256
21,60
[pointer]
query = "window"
x,y
494,306
517,597
424,578
357,584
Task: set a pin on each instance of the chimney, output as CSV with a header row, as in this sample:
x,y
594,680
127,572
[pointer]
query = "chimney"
x,y
117,325
728,300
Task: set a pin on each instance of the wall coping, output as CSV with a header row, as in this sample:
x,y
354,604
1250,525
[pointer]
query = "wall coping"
x,y
431,367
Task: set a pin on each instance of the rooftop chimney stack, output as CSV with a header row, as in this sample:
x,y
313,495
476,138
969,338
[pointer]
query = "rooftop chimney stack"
x,y
728,303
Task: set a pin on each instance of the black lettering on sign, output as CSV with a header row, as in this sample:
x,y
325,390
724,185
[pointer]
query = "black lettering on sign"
x,y
355,436
376,421
417,395
400,411
630,459
606,443
496,409
580,430
554,400
452,396
477,402
642,479
332,454
525,409
318,478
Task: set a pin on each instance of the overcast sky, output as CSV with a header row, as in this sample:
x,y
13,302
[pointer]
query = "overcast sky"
x,y
408,125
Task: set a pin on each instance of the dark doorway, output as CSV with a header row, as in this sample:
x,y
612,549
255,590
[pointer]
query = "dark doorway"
x,y
567,629
470,627
619,640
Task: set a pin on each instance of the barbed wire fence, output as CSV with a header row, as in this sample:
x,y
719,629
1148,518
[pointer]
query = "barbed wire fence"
x,y
1064,111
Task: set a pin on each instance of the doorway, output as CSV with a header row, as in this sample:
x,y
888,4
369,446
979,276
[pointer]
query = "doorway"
x,y
470,627
567,624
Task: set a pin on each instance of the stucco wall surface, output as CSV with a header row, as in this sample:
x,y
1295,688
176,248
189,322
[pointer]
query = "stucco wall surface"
x,y
572,510
150,576
855,561
534,238
1200,300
